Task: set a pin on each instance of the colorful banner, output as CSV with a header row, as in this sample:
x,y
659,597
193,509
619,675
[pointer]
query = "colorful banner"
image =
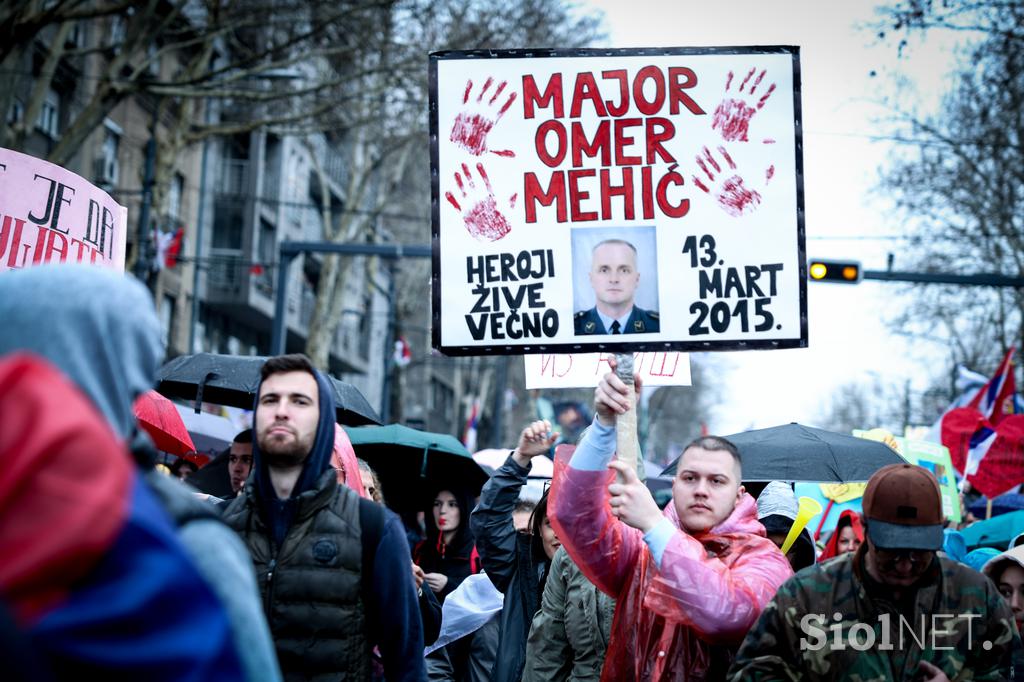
x,y
932,456
624,200
583,370
49,214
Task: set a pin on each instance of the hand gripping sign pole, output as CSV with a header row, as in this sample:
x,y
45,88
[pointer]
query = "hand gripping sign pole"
x,y
627,445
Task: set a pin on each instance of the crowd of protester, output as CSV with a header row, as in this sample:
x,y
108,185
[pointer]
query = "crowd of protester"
x,y
114,570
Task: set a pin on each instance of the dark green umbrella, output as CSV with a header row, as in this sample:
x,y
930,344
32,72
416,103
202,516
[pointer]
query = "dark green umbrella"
x,y
412,463
233,380
794,452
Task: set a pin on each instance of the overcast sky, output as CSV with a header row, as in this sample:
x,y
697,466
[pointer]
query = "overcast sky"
x,y
848,339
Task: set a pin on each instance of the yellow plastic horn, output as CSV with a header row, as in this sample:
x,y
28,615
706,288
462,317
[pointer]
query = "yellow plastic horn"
x,y
808,509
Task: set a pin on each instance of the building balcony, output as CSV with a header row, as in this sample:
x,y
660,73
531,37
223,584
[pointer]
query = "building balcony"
x,y
245,291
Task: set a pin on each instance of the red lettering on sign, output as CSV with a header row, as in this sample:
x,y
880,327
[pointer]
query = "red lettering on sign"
x,y
552,96
534,194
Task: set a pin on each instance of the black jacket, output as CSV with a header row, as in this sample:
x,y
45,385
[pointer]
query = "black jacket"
x,y
512,564
456,560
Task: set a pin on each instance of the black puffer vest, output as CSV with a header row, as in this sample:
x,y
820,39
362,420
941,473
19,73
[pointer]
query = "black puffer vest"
x,y
311,585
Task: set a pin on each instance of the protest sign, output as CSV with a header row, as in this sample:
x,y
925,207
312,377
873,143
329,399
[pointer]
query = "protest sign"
x,y
624,200
932,456
49,214
583,370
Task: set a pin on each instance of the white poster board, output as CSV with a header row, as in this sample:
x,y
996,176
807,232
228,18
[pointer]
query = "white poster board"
x,y
687,160
49,214
583,370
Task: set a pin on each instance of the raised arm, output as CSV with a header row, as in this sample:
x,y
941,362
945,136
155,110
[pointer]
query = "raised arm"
x,y
604,548
491,521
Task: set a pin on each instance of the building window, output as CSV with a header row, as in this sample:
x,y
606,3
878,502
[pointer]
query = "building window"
x,y
106,164
118,32
76,38
167,317
16,112
228,220
174,192
49,118
262,270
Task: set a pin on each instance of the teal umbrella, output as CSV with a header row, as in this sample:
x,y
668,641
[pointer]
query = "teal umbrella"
x,y
411,463
995,532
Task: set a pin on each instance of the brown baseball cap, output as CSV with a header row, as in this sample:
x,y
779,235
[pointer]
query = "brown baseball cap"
x,y
903,506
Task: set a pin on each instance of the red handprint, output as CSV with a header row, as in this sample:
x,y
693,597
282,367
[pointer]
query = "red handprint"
x,y
478,117
483,219
732,117
734,198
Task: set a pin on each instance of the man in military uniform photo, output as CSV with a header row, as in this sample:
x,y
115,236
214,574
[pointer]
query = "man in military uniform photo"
x,y
614,278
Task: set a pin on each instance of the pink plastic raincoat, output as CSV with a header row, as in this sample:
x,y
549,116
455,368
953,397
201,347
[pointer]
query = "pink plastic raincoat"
x,y
685,621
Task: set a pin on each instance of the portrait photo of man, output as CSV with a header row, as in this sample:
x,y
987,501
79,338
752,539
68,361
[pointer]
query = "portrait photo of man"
x,y
614,277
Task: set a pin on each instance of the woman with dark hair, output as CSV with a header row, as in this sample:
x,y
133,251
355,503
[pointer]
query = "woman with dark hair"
x,y
517,563
183,468
447,555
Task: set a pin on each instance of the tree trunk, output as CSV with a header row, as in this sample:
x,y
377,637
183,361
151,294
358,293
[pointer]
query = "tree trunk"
x,y
321,334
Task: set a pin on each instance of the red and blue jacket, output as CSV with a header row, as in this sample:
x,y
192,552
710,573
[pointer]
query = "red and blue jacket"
x,y
90,565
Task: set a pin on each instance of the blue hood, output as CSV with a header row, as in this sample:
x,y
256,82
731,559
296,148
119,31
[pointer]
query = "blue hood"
x,y
276,513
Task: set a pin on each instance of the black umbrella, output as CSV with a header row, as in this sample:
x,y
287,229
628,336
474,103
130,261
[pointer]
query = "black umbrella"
x,y
801,453
233,379
411,463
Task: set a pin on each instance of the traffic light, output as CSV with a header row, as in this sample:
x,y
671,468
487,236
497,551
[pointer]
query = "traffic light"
x,y
845,271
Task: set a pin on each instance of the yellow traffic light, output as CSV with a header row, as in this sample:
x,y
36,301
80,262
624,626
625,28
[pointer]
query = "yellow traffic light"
x,y
834,271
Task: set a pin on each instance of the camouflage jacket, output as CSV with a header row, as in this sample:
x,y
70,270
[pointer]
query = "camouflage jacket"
x,y
833,622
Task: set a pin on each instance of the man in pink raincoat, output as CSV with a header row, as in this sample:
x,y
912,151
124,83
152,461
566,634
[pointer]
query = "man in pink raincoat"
x,y
690,581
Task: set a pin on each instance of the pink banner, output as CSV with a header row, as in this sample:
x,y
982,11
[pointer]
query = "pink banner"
x,y
50,215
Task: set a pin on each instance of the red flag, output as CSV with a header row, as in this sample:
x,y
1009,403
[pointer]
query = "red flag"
x,y
958,428
995,399
1002,467
968,432
469,432
174,248
403,354
168,248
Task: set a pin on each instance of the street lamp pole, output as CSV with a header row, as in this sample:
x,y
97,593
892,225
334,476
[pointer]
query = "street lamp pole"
x,y
200,225
287,251
142,264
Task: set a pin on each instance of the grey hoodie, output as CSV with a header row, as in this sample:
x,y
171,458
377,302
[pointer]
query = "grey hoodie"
x,y
100,328
777,509
97,326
